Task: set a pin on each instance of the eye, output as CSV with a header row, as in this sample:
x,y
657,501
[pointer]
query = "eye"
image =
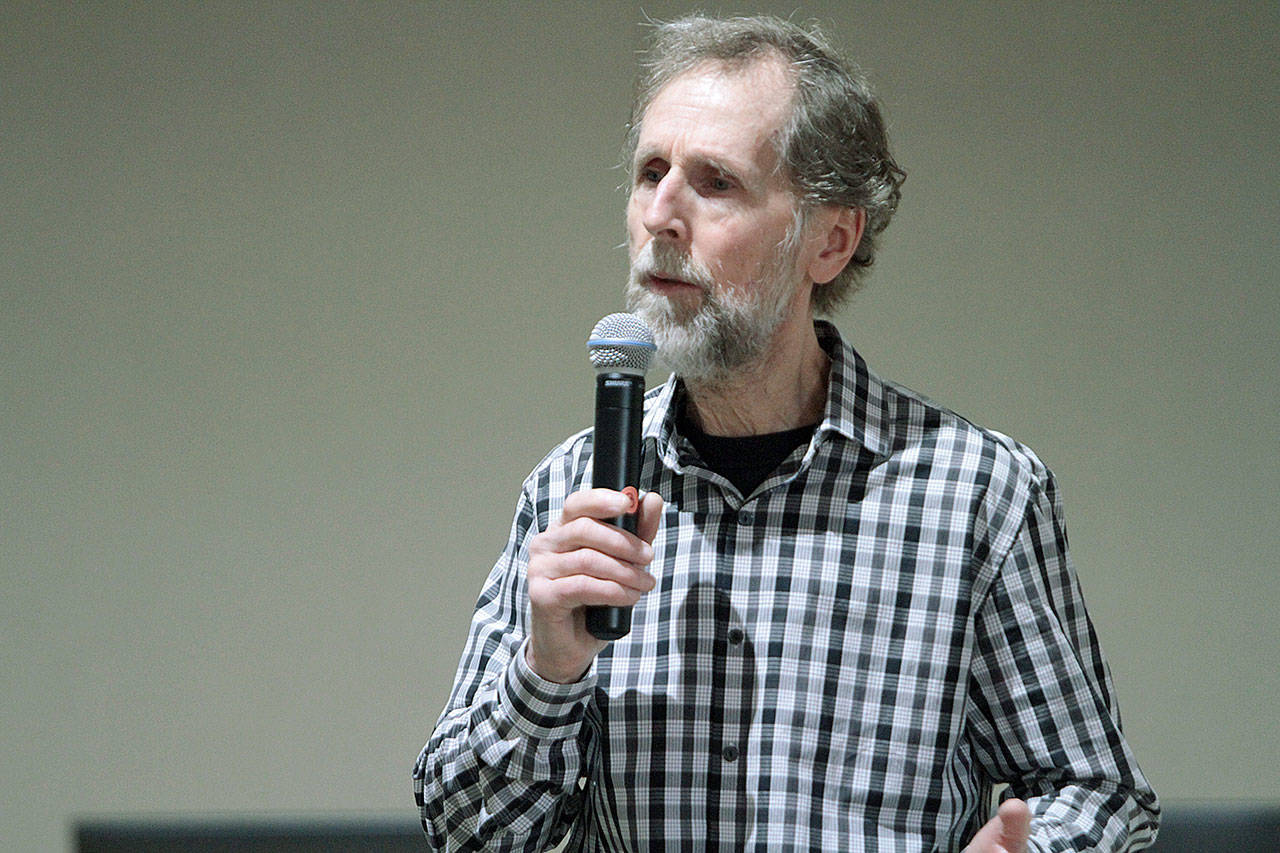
x,y
717,181
650,174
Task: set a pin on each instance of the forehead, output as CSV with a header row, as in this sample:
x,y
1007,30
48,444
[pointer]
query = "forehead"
x,y
721,112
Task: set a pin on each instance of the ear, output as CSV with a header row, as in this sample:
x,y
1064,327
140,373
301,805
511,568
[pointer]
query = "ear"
x,y
838,236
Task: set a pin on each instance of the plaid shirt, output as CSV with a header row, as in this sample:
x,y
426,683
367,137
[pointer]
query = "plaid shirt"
x,y
846,659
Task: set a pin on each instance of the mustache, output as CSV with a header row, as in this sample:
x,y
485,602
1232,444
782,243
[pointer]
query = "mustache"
x,y
662,260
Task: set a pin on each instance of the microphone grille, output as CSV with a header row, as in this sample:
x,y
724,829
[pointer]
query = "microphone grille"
x,y
621,342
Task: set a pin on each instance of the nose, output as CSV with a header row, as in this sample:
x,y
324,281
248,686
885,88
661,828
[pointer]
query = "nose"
x,y
664,210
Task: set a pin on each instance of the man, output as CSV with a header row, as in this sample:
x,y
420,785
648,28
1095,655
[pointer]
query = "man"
x,y
854,611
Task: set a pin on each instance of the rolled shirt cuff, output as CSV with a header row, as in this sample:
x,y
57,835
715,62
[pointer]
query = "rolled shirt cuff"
x,y
539,708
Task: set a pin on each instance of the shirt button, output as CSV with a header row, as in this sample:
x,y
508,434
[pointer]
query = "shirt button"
x,y
730,753
746,518
735,636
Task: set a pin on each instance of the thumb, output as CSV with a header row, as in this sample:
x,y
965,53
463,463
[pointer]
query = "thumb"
x,y
649,516
1015,820
1007,832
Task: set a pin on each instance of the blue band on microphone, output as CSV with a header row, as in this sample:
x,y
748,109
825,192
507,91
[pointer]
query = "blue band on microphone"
x,y
621,342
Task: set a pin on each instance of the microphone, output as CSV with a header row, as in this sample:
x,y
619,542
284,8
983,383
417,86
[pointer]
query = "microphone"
x,y
620,348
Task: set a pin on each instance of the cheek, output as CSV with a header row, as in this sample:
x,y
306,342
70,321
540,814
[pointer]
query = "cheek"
x,y
736,261
636,232
748,251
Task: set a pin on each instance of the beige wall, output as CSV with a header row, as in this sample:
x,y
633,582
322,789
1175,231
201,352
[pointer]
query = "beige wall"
x,y
293,295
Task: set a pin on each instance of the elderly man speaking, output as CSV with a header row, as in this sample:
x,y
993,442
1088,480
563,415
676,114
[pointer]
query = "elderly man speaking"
x,y
854,611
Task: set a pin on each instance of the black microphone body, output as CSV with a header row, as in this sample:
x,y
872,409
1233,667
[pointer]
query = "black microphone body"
x,y
615,464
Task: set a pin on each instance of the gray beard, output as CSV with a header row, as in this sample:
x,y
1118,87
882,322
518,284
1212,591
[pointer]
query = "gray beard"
x,y
728,331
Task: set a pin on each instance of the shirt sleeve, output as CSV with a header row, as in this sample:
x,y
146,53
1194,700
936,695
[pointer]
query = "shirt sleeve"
x,y
1043,714
501,769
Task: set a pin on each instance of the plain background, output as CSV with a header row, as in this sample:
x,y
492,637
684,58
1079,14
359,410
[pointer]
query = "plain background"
x,y
295,294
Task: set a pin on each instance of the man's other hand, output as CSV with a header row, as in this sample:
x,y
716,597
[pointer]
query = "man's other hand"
x,y
582,560
1006,832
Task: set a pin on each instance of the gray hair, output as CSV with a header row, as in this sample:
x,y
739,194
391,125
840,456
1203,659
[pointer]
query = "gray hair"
x,y
834,144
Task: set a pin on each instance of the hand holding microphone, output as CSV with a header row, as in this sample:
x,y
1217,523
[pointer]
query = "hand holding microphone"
x,y
588,568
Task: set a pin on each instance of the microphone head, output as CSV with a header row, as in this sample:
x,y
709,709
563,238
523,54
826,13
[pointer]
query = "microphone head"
x,y
621,343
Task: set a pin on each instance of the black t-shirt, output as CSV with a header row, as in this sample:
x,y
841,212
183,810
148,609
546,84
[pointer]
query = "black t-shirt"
x,y
744,460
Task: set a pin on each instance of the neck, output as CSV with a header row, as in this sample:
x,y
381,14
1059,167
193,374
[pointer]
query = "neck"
x,y
786,388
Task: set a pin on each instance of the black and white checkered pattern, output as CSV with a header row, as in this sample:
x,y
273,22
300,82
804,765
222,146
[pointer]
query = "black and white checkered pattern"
x,y
846,659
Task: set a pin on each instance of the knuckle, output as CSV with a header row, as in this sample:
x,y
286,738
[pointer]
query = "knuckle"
x,y
575,502
579,527
581,588
579,562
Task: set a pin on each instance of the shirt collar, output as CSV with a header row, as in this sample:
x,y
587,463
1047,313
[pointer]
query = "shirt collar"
x,y
857,404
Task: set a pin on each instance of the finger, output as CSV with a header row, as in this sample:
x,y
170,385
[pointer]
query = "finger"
x,y
579,590
584,561
595,503
597,536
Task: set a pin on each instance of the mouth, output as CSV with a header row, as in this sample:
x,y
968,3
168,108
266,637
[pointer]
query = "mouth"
x,y
667,286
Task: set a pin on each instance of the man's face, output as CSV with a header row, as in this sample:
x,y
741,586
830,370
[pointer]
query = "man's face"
x,y
708,213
